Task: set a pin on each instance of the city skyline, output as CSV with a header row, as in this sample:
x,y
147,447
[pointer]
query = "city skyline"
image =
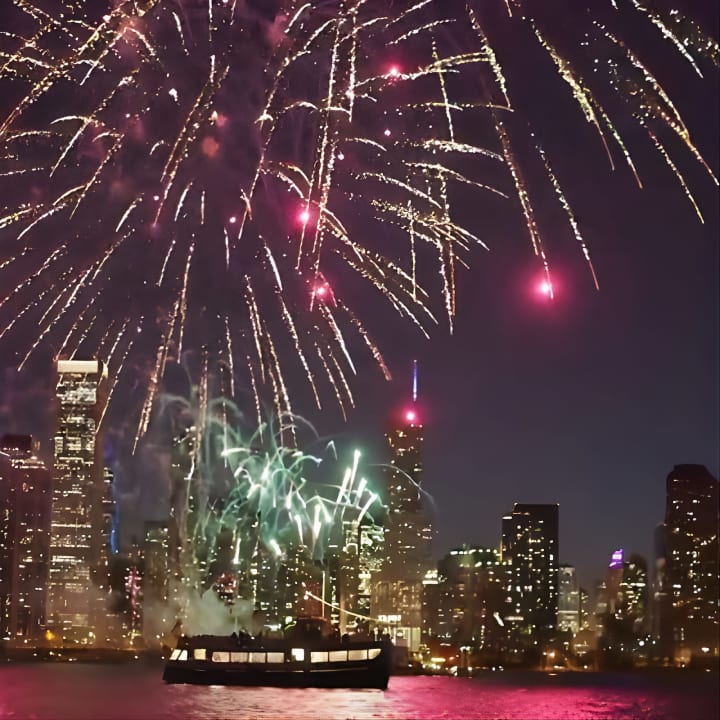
x,y
411,413
508,603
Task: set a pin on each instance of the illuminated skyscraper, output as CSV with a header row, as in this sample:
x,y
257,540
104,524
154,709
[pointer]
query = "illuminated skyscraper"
x,y
634,593
408,529
471,584
614,581
568,616
76,557
691,523
24,538
156,581
530,542
360,561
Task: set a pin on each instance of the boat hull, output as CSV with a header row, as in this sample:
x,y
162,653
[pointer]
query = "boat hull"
x,y
360,677
295,661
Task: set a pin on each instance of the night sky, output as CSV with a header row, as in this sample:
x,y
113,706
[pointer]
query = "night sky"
x,y
587,400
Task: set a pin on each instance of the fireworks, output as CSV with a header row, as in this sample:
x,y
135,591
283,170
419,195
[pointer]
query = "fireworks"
x,y
238,493
213,175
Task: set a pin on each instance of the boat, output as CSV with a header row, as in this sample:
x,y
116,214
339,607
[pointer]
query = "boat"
x,y
309,654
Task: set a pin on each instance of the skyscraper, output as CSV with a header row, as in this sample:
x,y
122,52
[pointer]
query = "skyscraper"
x,y
691,522
568,616
530,542
471,584
397,595
77,511
408,528
157,614
360,561
634,592
24,538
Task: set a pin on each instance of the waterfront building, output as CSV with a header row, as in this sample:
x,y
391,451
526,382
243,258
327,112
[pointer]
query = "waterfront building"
x,y
76,586
568,615
691,563
397,594
530,544
292,584
25,498
471,586
662,630
432,619
360,561
634,593
623,622
601,603
408,527
613,582
263,574
584,605
157,612
155,561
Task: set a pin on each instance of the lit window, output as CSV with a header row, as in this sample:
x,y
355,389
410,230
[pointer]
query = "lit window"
x,y
317,656
200,654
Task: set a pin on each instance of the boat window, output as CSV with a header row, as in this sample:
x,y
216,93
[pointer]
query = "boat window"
x,y
220,656
318,656
357,654
241,657
175,655
257,657
183,655
275,657
200,654
298,654
373,653
338,655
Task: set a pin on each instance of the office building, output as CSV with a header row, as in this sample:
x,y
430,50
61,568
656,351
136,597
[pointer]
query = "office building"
x,y
691,562
157,611
25,497
634,592
530,544
471,598
77,583
397,595
568,616
408,527
360,561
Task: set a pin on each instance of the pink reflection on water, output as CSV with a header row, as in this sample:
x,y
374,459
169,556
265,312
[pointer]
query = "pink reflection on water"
x,y
48,691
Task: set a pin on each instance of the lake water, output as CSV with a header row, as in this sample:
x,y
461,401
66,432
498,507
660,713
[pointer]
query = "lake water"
x,y
136,692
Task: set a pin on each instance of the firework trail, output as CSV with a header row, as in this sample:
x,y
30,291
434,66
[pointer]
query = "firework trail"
x,y
218,174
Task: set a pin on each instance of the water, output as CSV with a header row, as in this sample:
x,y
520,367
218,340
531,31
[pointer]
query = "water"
x,y
136,692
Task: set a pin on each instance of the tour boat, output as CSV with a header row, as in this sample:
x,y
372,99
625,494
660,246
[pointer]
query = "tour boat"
x,y
307,656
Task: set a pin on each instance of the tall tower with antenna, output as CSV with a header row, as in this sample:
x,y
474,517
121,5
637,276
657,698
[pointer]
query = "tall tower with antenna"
x,y
408,526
